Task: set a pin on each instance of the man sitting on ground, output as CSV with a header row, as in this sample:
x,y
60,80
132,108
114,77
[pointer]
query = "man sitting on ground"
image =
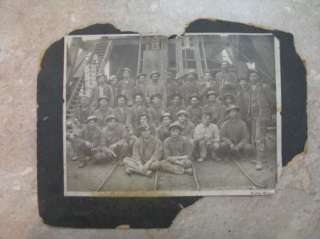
x,y
177,153
114,139
147,150
89,140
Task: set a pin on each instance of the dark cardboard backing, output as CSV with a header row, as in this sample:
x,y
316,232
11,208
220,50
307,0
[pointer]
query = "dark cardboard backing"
x,y
57,210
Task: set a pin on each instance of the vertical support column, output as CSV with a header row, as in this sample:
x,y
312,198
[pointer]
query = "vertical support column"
x,y
139,55
196,50
204,53
179,60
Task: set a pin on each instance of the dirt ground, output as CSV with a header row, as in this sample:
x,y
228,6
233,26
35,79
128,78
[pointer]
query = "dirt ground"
x,y
212,175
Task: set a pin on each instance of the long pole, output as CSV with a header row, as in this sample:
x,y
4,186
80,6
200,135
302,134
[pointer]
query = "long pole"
x,y
108,176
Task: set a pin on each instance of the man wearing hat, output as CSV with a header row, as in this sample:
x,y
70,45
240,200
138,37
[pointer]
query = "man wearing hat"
x,y
141,84
138,107
155,86
144,119
177,153
262,106
228,99
213,106
209,83
122,111
174,84
103,110
114,139
162,131
190,86
175,105
127,84
156,109
195,109
102,89
227,80
88,140
84,109
243,99
147,151
206,138
116,87
234,135
185,123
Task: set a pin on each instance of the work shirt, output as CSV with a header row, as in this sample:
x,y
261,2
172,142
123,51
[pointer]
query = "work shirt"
x,y
215,108
227,81
91,134
154,88
177,146
101,114
174,109
156,113
103,90
124,115
126,88
111,135
195,113
187,128
210,131
145,150
163,132
235,131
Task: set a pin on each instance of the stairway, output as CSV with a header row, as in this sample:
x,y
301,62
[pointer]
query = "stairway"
x,y
101,49
73,105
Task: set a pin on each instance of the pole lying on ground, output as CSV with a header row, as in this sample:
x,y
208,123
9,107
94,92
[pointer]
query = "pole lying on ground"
x,y
195,177
247,175
108,175
155,185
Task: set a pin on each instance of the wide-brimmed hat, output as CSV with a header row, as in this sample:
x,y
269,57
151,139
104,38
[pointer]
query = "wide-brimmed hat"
x,y
110,117
122,96
176,94
143,113
212,92
103,97
166,114
141,74
226,95
194,96
113,76
232,107
175,125
100,74
207,112
156,95
126,69
191,72
183,112
138,93
92,118
154,73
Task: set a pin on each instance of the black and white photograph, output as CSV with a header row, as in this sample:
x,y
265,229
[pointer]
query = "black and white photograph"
x,y
152,116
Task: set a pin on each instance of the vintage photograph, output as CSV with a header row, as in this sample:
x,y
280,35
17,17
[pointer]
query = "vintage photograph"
x,y
148,115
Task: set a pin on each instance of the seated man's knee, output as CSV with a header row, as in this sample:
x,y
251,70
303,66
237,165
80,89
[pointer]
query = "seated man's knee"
x,y
248,149
187,163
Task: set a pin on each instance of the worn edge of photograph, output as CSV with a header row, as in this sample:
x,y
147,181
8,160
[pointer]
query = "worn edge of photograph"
x,y
167,193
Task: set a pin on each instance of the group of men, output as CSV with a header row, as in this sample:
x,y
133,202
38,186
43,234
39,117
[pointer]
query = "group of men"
x,y
166,124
